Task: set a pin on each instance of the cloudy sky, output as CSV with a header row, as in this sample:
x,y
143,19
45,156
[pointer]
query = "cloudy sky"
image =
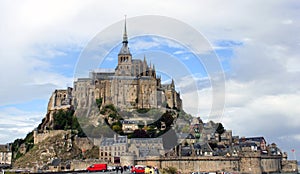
x,y
257,42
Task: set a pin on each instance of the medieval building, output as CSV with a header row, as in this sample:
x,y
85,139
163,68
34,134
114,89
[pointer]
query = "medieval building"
x,y
133,84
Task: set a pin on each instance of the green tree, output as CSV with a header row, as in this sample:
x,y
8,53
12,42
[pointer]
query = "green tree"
x,y
220,130
140,133
66,120
151,131
168,118
111,107
99,102
117,128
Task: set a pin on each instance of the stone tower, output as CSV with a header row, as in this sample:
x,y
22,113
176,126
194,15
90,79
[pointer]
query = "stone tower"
x,y
124,57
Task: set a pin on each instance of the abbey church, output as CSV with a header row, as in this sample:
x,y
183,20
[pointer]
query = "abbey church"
x,y
133,84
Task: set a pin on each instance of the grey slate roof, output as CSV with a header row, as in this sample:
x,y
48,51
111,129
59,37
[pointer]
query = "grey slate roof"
x,y
125,49
111,141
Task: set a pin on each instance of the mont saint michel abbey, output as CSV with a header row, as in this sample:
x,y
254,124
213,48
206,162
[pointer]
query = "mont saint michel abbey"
x,y
133,84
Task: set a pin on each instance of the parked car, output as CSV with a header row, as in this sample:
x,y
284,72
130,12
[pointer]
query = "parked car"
x,y
111,168
97,168
138,169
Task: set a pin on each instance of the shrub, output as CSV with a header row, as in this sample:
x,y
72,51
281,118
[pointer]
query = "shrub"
x,y
99,102
170,170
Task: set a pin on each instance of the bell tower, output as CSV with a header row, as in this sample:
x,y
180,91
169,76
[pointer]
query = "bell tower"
x,y
124,56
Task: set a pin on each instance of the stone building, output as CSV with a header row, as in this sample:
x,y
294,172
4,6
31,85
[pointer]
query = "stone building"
x,y
259,141
226,138
133,84
60,99
129,126
5,155
111,149
146,147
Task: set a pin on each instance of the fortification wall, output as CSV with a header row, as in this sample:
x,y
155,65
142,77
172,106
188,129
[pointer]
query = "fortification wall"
x,y
39,137
192,164
289,166
127,159
245,163
270,164
250,161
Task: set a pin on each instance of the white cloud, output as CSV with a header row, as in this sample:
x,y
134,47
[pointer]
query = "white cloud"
x,y
142,44
16,123
179,52
287,21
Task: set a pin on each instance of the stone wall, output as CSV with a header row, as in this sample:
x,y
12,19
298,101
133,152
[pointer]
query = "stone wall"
x,y
250,161
39,137
127,159
192,164
289,166
270,164
245,163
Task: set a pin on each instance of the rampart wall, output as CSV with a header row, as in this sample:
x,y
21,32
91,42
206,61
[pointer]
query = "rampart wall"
x,y
243,164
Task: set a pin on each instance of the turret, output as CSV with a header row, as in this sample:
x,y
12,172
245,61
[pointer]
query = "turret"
x,y
145,66
154,72
150,70
172,84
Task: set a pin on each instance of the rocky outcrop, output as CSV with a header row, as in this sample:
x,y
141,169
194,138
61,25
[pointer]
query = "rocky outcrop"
x,y
59,100
60,146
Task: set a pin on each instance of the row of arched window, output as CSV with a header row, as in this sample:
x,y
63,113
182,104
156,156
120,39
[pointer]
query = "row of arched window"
x,y
124,59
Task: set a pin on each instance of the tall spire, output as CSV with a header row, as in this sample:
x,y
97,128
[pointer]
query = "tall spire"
x,y
125,38
125,50
172,83
145,61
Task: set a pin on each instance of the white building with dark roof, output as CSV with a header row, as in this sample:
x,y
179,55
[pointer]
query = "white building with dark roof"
x,y
5,155
111,149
